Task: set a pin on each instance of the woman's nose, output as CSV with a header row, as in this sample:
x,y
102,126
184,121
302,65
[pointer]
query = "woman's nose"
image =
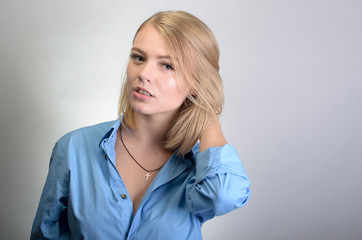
x,y
148,72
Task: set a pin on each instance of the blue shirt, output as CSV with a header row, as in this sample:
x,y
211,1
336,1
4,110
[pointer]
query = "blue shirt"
x,y
84,196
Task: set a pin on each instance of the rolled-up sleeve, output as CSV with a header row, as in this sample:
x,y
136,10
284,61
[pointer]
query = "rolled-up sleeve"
x,y
220,183
53,201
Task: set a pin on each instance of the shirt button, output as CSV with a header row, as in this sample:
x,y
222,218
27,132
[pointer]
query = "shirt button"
x,y
106,157
124,196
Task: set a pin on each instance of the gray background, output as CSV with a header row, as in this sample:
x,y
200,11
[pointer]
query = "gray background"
x,y
292,72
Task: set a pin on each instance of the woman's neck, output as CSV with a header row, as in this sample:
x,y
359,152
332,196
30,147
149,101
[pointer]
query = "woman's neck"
x,y
149,130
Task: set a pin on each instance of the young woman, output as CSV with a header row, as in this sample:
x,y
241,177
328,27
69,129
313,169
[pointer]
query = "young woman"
x,y
163,168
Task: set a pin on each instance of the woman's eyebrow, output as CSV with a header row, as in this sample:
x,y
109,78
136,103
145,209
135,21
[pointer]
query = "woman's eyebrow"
x,y
144,53
138,50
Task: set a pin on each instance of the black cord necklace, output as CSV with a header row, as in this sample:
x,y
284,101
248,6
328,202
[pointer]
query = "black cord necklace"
x,y
148,174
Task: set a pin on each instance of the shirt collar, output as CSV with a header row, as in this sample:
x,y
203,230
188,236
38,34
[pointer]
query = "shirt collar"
x,y
111,131
187,159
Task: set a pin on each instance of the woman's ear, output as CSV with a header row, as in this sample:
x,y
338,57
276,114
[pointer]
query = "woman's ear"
x,y
192,92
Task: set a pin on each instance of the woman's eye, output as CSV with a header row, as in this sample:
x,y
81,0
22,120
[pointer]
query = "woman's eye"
x,y
167,66
137,58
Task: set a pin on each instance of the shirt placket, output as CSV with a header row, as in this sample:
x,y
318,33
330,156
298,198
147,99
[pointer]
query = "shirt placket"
x,y
119,190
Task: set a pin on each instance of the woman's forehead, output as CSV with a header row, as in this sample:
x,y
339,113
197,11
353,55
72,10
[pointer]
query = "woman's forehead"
x,y
149,40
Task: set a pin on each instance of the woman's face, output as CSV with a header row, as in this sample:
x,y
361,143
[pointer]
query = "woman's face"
x,y
153,87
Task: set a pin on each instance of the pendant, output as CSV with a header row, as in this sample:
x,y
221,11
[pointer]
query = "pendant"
x,y
147,175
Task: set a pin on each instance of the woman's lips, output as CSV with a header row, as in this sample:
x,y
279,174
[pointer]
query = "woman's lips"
x,y
142,93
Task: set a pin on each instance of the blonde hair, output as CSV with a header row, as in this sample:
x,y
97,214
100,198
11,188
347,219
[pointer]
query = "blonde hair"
x,y
194,46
